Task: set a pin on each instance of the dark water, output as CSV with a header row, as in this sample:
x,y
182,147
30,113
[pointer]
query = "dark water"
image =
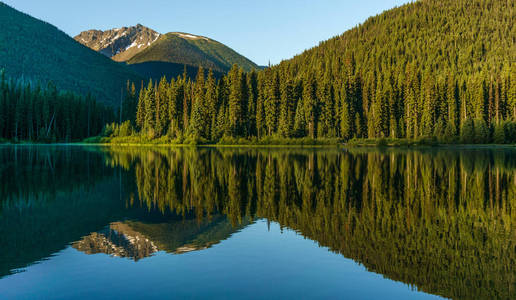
x,y
126,223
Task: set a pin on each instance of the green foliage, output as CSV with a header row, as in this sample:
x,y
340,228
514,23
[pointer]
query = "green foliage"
x,y
374,81
499,134
117,130
467,132
510,132
36,51
481,132
47,115
450,133
382,142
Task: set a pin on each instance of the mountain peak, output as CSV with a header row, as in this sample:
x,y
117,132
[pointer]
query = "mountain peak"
x,y
120,44
145,49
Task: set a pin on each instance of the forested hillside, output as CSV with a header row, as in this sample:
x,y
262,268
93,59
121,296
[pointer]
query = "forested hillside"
x,y
429,68
44,114
37,51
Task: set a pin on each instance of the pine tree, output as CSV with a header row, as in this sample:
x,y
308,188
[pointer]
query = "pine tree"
x,y
260,116
150,110
451,96
429,107
499,133
467,132
411,107
310,104
211,104
285,122
345,121
378,117
162,110
271,102
481,132
252,84
223,100
199,123
511,95
235,101
478,96
140,111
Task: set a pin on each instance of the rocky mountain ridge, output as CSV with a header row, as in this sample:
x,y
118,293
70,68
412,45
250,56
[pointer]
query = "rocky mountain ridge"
x,y
120,44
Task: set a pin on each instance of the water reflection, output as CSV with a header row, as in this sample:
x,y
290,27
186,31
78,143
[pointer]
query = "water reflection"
x,y
137,240
443,221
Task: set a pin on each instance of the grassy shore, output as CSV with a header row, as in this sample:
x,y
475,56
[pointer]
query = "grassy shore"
x,y
226,142
264,142
422,142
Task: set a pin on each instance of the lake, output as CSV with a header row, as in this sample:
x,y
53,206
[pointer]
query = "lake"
x,y
139,222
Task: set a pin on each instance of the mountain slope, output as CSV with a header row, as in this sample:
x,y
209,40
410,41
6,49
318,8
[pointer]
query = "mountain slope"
x,y
438,36
417,70
142,45
34,50
184,48
121,44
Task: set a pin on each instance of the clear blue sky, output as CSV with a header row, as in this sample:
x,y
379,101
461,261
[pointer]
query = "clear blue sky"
x,y
261,30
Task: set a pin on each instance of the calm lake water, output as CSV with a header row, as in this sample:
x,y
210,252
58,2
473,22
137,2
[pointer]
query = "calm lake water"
x,y
136,222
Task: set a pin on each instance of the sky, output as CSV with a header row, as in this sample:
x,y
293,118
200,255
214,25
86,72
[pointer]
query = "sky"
x,y
262,30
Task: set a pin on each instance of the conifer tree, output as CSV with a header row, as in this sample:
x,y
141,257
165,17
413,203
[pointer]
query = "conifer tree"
x,y
467,132
140,112
199,123
310,104
271,102
252,85
300,122
211,104
150,110
285,122
451,95
235,101
429,107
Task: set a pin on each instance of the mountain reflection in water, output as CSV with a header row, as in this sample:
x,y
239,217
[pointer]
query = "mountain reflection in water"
x,y
442,221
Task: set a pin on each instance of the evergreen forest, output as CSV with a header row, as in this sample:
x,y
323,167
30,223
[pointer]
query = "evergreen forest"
x,y
44,114
438,71
444,70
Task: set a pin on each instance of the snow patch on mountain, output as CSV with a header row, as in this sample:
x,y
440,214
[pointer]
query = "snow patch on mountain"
x,y
191,36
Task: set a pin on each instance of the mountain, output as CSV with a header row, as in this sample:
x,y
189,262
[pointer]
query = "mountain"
x,y
138,240
189,49
152,54
34,50
120,44
427,68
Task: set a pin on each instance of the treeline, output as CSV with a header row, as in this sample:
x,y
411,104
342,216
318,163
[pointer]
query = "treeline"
x,y
264,104
406,73
43,114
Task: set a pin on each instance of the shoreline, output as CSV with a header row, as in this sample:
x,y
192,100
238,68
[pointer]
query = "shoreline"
x,y
344,146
